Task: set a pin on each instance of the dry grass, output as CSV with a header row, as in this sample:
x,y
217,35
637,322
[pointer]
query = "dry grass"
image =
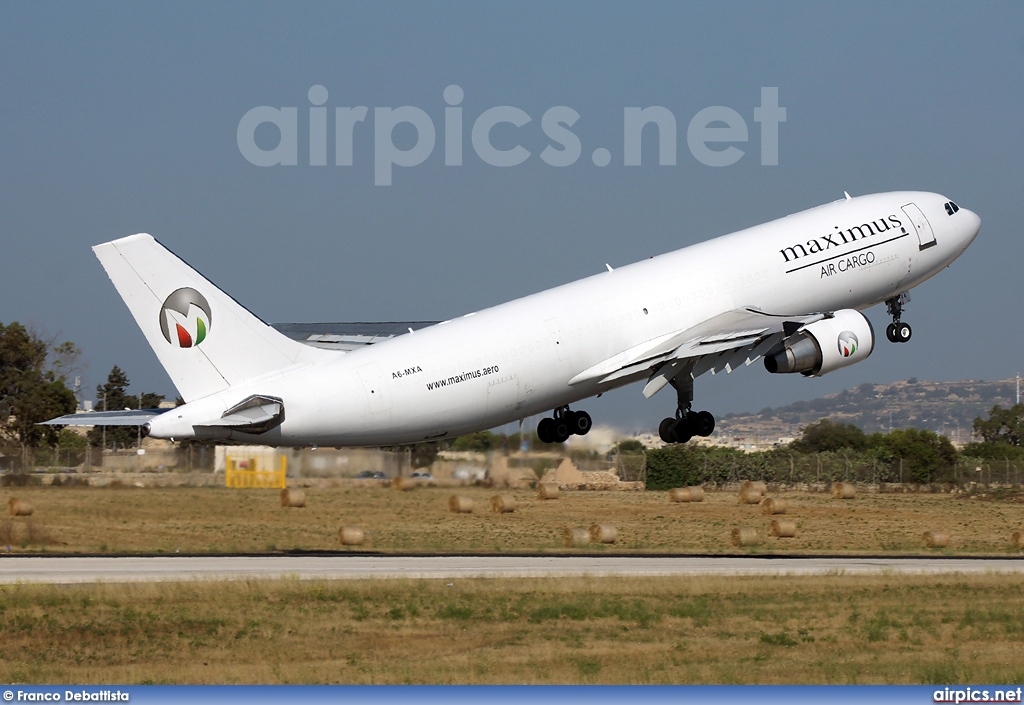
x,y
832,629
228,520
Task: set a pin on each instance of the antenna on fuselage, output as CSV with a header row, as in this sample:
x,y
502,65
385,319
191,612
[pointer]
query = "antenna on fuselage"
x,y
848,196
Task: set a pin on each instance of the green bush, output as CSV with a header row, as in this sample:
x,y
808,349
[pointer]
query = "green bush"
x,y
672,466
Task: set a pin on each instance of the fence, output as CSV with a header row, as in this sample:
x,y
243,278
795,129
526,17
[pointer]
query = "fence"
x,y
89,459
677,467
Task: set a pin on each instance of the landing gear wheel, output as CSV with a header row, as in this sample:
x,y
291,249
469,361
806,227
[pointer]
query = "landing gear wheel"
x,y
546,430
703,423
890,333
561,430
666,430
897,331
683,430
579,422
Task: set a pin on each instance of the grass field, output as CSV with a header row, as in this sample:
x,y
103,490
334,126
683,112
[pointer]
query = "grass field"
x,y
142,520
831,629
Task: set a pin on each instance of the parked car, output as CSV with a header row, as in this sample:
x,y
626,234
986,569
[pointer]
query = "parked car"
x,y
371,475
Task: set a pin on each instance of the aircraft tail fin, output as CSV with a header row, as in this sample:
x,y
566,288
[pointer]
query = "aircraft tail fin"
x,y
205,340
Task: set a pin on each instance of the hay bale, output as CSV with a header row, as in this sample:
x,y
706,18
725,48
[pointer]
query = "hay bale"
x,y
293,498
19,507
547,490
351,535
744,536
686,494
758,485
936,538
783,528
603,533
773,505
843,490
402,483
1017,540
679,494
576,537
503,503
458,504
750,495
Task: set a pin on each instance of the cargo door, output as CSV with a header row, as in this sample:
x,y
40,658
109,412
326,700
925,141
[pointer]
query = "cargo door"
x,y
925,236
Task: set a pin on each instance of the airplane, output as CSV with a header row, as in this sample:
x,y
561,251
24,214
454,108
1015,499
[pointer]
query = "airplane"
x,y
789,292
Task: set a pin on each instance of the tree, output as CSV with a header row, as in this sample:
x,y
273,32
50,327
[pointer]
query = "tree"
x,y
630,446
924,453
30,391
113,396
479,442
826,435
1003,426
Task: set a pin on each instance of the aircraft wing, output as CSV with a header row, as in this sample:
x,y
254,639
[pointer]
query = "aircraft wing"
x,y
724,342
347,336
128,417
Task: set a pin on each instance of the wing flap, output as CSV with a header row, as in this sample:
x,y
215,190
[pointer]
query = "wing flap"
x,y
722,342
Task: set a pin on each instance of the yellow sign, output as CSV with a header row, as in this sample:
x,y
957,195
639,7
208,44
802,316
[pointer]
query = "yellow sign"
x,y
253,472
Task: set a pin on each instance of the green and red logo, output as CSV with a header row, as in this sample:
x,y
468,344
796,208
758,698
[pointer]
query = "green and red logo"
x,y
847,343
185,318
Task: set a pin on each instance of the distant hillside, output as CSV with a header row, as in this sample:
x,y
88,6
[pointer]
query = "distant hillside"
x,y
936,406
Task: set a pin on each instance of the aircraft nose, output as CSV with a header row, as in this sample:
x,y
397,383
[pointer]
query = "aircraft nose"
x,y
973,221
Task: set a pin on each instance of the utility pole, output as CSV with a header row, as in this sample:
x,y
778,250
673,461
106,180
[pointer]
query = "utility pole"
x,y
140,426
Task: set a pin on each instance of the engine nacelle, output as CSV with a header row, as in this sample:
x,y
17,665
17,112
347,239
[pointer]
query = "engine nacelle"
x,y
824,346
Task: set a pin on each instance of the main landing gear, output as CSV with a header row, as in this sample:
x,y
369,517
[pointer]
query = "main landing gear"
x,y
564,423
687,423
897,331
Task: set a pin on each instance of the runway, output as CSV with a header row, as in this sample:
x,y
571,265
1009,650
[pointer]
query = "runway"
x,y
66,570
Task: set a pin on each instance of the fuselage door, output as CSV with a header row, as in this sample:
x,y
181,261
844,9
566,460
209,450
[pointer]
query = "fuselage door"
x,y
925,236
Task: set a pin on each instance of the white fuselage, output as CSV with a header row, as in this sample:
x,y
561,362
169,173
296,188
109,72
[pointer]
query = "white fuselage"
x,y
516,360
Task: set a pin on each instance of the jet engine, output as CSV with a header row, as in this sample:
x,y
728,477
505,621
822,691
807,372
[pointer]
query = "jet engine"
x,y
823,346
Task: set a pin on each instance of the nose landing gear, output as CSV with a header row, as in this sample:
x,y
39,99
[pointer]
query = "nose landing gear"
x,y
897,331
563,423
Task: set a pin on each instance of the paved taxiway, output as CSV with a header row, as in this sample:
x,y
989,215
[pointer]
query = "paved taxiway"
x,y
62,569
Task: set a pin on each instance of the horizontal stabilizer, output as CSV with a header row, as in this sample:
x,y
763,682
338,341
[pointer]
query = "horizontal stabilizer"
x,y
128,417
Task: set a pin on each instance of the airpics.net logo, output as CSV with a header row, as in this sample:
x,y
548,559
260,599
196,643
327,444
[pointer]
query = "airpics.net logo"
x,y
848,343
185,318
712,134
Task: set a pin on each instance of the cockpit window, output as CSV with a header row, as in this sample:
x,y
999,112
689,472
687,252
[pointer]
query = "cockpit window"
x,y
951,208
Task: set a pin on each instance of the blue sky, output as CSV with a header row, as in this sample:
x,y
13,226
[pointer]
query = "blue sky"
x,y
120,118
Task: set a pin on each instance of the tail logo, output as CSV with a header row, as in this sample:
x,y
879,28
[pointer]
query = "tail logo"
x,y
185,318
847,343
